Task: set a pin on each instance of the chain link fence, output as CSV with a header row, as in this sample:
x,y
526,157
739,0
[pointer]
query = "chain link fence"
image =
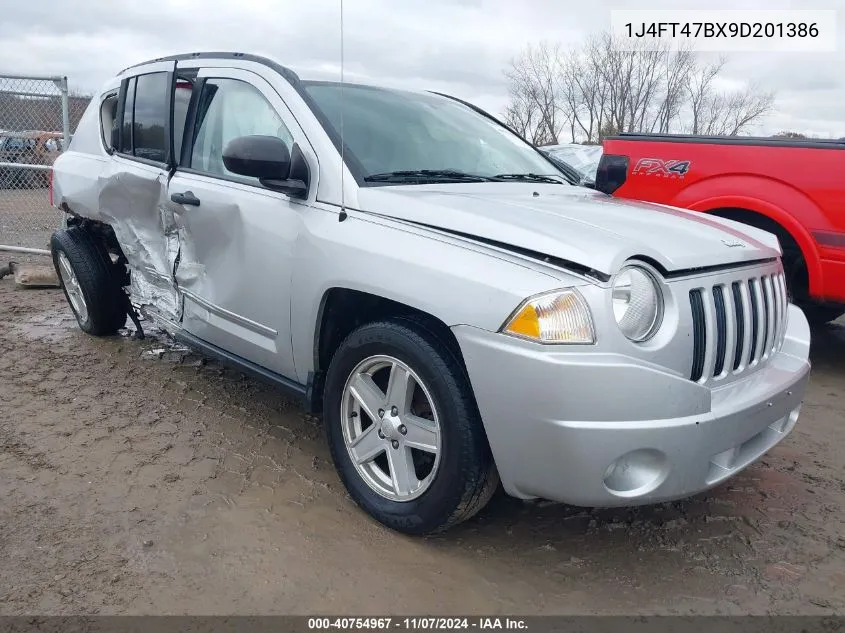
x,y
37,117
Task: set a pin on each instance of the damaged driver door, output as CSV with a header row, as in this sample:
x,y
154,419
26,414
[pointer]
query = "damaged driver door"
x,y
133,187
236,237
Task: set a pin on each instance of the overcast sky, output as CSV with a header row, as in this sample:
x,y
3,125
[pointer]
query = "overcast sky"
x,y
458,46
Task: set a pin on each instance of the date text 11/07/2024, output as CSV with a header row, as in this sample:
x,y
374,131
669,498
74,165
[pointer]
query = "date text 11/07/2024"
x,y
417,623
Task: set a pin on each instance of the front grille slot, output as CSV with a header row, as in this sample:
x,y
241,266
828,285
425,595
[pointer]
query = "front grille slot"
x,y
736,325
721,329
755,318
739,310
766,288
698,334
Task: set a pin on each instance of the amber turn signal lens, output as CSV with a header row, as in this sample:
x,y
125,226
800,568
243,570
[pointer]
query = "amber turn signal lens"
x,y
557,317
526,323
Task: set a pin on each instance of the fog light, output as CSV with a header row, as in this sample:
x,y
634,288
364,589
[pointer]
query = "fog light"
x,y
636,473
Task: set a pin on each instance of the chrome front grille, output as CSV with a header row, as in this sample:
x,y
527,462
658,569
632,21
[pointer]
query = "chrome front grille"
x,y
737,325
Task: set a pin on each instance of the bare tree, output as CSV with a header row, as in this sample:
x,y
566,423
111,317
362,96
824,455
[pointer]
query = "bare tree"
x,y
533,78
78,93
641,87
521,113
679,67
583,92
701,99
743,109
720,113
599,88
605,88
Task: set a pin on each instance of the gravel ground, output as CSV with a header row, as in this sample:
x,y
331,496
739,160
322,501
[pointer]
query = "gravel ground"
x,y
139,478
26,217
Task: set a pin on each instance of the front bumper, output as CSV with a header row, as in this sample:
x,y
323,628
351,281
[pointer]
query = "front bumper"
x,y
609,430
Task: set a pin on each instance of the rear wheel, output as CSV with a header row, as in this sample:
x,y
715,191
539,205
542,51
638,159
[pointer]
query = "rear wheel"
x,y
794,266
403,428
89,281
798,287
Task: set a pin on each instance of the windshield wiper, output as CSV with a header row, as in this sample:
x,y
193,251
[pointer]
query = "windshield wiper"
x,y
558,180
429,175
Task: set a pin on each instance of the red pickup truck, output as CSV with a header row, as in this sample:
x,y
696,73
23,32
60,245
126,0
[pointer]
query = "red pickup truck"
x,y
792,188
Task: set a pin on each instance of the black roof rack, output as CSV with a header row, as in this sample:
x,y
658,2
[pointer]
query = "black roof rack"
x,y
287,73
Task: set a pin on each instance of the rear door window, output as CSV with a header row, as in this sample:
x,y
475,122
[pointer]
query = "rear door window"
x,y
128,110
146,114
152,107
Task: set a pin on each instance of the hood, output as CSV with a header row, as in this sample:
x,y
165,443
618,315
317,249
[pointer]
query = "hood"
x,y
576,224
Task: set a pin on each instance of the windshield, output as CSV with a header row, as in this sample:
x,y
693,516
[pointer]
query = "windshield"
x,y
387,131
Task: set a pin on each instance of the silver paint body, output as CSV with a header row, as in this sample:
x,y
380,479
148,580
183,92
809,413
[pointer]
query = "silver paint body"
x,y
255,265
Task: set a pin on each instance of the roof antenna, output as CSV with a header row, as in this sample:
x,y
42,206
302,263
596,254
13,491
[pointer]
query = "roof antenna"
x,y
342,216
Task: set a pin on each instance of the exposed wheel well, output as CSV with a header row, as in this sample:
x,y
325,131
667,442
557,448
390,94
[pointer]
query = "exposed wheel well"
x,y
104,234
343,310
793,257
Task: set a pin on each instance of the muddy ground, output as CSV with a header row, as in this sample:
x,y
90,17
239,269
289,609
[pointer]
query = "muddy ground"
x,y
135,481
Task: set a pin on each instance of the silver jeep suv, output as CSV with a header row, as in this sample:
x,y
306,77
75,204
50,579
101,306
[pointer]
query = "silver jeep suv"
x,y
432,285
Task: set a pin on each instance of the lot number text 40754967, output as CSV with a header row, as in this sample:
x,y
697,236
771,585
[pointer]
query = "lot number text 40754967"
x,y
417,623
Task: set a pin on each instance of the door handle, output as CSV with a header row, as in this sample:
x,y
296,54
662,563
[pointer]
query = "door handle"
x,y
186,198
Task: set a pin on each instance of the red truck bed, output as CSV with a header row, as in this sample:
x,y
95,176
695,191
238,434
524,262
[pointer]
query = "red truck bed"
x,y
793,188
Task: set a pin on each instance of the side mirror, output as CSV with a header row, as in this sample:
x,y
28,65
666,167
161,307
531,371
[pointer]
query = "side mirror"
x,y
257,157
268,159
612,173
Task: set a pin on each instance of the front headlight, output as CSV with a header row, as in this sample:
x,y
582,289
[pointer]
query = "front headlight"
x,y
637,303
556,317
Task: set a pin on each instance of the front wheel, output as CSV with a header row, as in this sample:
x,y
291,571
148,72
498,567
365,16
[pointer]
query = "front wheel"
x,y
404,430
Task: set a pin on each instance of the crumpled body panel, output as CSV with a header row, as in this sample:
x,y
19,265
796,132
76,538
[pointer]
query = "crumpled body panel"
x,y
133,201
211,243
235,235
131,198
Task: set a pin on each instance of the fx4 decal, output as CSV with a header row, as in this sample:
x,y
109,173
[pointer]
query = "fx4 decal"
x,y
661,168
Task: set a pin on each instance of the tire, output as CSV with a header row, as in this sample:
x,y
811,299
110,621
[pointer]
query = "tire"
x,y
818,314
798,292
465,476
97,283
